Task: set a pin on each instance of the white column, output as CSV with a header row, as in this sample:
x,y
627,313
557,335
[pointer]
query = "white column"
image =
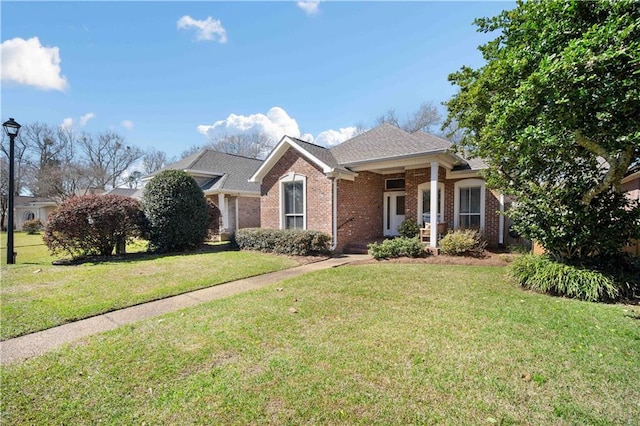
x,y
501,221
222,205
433,209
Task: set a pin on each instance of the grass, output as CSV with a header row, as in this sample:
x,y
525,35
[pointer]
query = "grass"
x,y
37,295
371,344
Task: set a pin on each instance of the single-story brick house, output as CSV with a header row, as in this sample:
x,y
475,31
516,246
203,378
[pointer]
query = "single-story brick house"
x,y
363,189
224,178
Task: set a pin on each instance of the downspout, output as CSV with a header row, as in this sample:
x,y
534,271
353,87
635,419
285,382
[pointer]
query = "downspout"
x,y
334,208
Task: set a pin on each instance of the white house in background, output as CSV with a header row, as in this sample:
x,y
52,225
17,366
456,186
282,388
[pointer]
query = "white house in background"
x,y
30,208
224,179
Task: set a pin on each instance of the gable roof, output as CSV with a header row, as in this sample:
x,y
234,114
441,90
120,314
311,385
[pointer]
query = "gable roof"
x,y
316,154
387,142
227,172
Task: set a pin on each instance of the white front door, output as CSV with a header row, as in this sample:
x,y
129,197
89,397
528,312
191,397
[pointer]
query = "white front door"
x,y
394,205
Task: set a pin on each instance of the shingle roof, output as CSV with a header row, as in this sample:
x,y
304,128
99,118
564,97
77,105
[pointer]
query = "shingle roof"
x,y
127,192
320,152
229,172
386,142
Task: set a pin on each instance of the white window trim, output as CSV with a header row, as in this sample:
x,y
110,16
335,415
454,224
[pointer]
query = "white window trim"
x,y
468,183
293,177
426,186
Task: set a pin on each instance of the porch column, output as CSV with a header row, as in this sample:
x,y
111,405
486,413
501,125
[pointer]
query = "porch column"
x,y
501,221
433,209
222,205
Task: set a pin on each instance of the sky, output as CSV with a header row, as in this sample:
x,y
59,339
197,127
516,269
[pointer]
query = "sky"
x,y
171,75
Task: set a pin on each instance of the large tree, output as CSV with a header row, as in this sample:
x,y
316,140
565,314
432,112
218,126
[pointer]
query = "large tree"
x,y
426,118
555,112
252,145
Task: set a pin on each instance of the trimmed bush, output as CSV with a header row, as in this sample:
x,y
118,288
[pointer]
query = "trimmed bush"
x,y
32,226
283,241
397,247
93,225
539,273
177,212
408,228
463,242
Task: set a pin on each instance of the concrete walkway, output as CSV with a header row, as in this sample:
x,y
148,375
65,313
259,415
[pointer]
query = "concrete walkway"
x,y
30,345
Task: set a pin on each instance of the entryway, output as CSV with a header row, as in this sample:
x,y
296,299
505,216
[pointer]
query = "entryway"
x,y
394,209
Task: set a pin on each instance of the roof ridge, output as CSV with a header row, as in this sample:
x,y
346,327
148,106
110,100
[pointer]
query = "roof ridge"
x,y
230,154
307,142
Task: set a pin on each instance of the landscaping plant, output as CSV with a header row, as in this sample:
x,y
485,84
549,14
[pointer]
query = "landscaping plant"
x,y
32,226
554,112
177,212
463,242
93,225
408,228
283,241
397,247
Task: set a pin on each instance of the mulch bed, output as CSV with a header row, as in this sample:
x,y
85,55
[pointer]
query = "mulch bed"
x,y
489,258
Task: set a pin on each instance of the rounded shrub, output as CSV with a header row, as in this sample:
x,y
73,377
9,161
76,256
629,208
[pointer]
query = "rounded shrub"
x,y
539,273
32,226
93,225
408,228
397,247
177,212
463,242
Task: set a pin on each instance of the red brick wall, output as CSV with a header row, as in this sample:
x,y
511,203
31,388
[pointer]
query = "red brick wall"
x,y
360,214
248,212
632,189
319,193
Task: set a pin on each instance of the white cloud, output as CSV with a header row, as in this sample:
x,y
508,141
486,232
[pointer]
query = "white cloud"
x,y
85,118
209,29
276,123
309,7
67,123
334,137
127,124
29,63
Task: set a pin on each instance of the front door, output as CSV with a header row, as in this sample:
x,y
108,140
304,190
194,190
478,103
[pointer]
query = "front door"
x,y
394,205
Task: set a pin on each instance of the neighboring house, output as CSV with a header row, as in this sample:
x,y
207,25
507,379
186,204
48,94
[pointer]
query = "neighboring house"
x,y
631,183
364,188
224,178
30,208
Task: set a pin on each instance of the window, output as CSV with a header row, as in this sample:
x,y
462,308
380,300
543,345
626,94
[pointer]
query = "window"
x,y
469,204
29,216
394,184
424,202
293,201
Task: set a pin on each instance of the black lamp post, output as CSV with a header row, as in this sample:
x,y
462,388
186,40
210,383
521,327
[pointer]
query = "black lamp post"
x,y
11,128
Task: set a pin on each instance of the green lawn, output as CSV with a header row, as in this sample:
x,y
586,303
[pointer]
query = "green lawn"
x,y
37,295
371,344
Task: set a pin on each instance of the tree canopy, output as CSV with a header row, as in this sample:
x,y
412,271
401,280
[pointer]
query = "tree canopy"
x,y
555,112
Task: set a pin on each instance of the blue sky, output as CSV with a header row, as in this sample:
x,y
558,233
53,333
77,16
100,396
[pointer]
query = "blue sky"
x,y
168,75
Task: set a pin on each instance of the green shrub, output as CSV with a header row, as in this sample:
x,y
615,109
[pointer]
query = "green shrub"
x,y
463,242
542,274
32,226
283,241
408,228
397,247
177,212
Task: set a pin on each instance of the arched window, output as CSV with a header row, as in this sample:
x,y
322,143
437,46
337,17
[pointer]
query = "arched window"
x,y
424,203
28,216
293,201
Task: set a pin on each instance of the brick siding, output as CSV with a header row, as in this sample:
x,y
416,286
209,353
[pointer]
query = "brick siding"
x,y
319,193
248,212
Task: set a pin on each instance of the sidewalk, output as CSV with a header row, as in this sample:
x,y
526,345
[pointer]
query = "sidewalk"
x,y
30,345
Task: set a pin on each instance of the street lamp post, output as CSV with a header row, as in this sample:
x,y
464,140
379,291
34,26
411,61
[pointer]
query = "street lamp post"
x,y
11,128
